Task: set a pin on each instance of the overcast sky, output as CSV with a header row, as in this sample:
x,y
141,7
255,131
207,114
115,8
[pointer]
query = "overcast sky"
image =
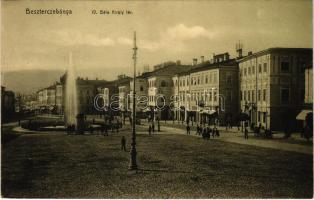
x,y
176,30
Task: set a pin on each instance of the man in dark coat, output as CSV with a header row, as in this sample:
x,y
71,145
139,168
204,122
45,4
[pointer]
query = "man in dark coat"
x,y
123,142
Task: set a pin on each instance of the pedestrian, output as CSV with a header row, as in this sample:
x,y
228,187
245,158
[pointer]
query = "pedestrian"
x,y
213,132
91,129
149,130
197,129
68,129
208,130
106,130
200,130
217,132
102,129
117,128
158,126
188,129
246,134
123,142
205,134
238,125
153,127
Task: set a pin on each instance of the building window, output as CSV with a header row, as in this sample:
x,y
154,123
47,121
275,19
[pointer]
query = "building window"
x,y
253,69
215,78
141,88
206,79
264,117
244,71
249,95
259,68
241,95
229,79
163,84
244,97
187,82
241,73
265,67
284,67
249,71
253,95
264,95
259,95
259,116
285,95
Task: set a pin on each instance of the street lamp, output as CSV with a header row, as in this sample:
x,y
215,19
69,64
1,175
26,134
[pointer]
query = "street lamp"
x,y
133,164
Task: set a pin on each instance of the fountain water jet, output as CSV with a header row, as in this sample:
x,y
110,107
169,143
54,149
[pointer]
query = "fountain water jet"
x,y
71,107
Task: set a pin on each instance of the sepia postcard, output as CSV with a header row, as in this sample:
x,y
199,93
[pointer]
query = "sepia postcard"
x,y
184,99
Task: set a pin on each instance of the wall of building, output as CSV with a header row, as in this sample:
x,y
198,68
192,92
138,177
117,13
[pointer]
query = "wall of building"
x,y
274,79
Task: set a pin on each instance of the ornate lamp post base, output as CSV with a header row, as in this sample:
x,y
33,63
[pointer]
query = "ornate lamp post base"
x,y
133,165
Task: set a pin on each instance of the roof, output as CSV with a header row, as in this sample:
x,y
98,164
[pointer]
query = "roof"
x,y
208,65
170,70
145,75
91,82
276,49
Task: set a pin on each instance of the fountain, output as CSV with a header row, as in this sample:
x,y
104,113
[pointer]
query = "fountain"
x,y
71,107
73,120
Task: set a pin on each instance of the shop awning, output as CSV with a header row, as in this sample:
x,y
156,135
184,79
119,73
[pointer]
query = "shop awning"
x,y
209,112
302,115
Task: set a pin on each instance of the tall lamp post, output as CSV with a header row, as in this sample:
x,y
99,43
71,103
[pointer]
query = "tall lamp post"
x,y
133,163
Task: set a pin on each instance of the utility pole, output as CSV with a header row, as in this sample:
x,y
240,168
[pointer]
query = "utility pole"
x,y
133,163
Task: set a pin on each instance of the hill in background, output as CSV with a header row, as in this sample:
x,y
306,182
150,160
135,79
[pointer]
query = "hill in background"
x,y
29,81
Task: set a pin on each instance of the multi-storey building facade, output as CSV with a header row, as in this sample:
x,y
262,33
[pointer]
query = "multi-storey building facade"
x,y
160,88
141,90
123,83
124,97
209,88
306,115
270,85
47,96
59,98
181,92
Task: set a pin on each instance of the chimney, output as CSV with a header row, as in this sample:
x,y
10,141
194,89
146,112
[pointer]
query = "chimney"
x,y
202,59
178,62
239,48
249,53
226,56
214,58
194,61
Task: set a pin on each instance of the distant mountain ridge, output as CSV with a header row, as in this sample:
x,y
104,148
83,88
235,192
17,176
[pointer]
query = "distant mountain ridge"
x,y
29,81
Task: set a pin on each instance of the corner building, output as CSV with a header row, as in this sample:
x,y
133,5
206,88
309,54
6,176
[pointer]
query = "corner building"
x,y
272,86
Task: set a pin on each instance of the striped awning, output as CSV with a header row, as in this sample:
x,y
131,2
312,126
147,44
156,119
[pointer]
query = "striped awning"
x,y
302,115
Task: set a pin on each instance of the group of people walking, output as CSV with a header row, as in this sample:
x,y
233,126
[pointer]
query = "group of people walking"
x,y
151,127
206,132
